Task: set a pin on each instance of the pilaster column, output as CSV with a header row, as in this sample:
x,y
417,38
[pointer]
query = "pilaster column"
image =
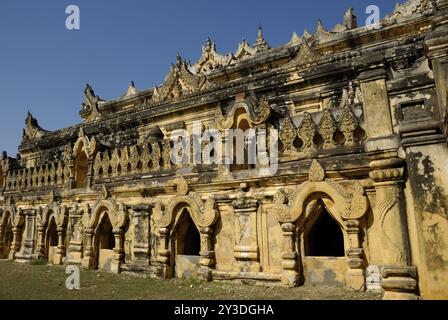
x,y
246,246
71,178
163,257
140,220
26,252
207,253
355,254
40,247
60,252
290,275
74,252
390,218
89,177
118,258
15,245
88,260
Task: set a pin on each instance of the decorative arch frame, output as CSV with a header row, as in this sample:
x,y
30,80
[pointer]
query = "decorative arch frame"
x,y
17,219
248,105
118,217
346,203
204,216
60,214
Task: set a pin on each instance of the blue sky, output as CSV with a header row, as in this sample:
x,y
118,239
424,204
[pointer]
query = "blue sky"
x,y
44,66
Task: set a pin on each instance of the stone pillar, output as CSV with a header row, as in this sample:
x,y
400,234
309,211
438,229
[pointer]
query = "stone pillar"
x,y
141,249
88,261
60,252
26,252
390,218
163,257
246,246
118,258
207,253
89,177
74,252
15,245
290,275
40,247
71,178
355,257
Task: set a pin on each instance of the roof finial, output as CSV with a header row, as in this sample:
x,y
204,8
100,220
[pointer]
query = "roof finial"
x,y
260,44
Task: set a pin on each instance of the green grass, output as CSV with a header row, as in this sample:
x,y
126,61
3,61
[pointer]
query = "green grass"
x,y
19,281
39,262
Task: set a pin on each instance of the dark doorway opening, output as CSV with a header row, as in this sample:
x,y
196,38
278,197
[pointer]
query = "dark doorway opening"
x,y
81,168
188,239
106,236
52,234
325,239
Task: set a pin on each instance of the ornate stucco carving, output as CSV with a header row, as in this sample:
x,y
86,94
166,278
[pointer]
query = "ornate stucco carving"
x,y
204,214
348,201
32,129
179,82
90,107
258,112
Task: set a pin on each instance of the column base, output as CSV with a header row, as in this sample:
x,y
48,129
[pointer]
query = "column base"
x,y
205,274
88,263
115,266
355,279
399,283
290,278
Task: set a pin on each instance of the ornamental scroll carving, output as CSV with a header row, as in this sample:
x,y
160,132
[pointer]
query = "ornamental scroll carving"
x,y
116,211
204,214
258,112
348,199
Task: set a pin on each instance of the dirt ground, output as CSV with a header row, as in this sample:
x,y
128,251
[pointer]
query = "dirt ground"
x,y
44,282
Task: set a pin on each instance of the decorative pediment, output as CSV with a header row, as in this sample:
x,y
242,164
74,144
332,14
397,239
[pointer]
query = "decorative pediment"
x,y
130,91
89,111
244,50
179,82
316,173
32,129
84,144
305,57
16,215
210,59
260,44
116,211
204,214
295,40
258,112
410,8
55,209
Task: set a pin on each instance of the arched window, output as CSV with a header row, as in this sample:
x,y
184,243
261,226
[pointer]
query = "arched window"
x,y
81,167
188,238
325,238
106,236
52,232
8,237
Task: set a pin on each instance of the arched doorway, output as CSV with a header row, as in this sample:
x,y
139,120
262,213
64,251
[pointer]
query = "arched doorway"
x,y
325,238
105,243
81,168
8,237
323,248
187,246
242,126
51,244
